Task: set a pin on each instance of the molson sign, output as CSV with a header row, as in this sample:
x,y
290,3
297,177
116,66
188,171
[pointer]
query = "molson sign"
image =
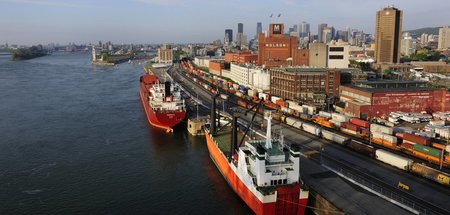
x,y
276,29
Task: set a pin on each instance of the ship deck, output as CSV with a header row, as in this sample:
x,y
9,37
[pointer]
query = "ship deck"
x,y
223,139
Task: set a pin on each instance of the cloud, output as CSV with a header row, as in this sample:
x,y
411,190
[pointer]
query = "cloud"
x,y
52,3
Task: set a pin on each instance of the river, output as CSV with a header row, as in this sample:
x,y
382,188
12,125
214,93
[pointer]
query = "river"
x,y
74,140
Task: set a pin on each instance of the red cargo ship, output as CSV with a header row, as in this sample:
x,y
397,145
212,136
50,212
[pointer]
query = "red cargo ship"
x,y
264,173
162,103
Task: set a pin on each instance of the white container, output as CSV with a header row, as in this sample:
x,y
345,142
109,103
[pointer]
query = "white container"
x,y
339,117
437,123
393,159
311,129
252,93
274,99
309,109
328,135
236,86
287,110
336,123
239,94
382,129
297,108
348,131
293,122
292,103
325,114
262,96
447,148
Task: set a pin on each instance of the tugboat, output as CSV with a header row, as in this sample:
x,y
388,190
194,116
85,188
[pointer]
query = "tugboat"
x,y
264,173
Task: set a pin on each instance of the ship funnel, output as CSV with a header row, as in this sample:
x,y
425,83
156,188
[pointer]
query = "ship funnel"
x,y
269,130
167,88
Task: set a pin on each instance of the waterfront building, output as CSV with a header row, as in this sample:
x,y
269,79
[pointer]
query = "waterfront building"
x,y
338,54
387,35
277,49
444,38
318,55
165,54
249,75
311,85
380,98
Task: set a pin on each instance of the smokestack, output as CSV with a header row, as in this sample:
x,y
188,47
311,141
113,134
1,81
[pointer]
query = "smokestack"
x,y
167,89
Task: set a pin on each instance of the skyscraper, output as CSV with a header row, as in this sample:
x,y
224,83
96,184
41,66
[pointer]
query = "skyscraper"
x,y
327,34
320,32
258,29
387,35
240,38
228,36
444,38
303,29
240,28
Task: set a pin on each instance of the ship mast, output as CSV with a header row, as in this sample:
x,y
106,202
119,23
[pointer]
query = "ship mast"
x,y
269,131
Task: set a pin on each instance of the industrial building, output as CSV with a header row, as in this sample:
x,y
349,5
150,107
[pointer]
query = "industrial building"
x,y
241,58
310,85
379,98
165,54
280,50
249,75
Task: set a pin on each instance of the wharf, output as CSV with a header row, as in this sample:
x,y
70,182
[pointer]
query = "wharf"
x,y
339,189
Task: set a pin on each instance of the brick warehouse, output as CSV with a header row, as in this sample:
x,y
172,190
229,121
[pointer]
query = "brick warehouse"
x,y
369,99
280,50
241,58
310,85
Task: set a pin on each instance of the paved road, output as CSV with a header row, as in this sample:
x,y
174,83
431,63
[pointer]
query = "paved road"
x,y
342,193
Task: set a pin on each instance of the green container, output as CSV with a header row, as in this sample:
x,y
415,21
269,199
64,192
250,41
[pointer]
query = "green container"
x,y
428,150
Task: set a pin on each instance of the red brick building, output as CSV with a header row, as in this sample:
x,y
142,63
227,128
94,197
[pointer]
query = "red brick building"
x,y
304,84
216,67
380,98
280,50
241,58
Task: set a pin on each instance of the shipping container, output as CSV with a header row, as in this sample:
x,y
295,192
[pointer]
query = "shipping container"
x,y
274,99
428,150
339,117
430,173
336,123
287,110
407,146
362,148
253,93
360,122
293,122
281,103
309,109
348,131
292,103
381,128
328,135
263,96
416,139
437,122
297,108
223,96
325,114
350,126
305,116
239,94
393,159
312,129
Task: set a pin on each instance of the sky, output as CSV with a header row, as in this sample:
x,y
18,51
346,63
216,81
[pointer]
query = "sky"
x,y
28,22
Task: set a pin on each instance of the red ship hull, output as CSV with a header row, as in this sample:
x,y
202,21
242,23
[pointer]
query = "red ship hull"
x,y
288,197
164,120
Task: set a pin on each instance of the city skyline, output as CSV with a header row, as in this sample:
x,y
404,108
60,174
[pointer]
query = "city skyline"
x,y
139,21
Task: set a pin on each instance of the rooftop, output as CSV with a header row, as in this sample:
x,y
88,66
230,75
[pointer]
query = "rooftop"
x,y
391,86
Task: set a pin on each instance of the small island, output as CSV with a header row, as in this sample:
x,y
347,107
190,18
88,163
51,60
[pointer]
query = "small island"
x,y
109,58
29,53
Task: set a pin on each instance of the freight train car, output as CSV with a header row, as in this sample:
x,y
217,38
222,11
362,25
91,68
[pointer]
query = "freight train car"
x,y
430,173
